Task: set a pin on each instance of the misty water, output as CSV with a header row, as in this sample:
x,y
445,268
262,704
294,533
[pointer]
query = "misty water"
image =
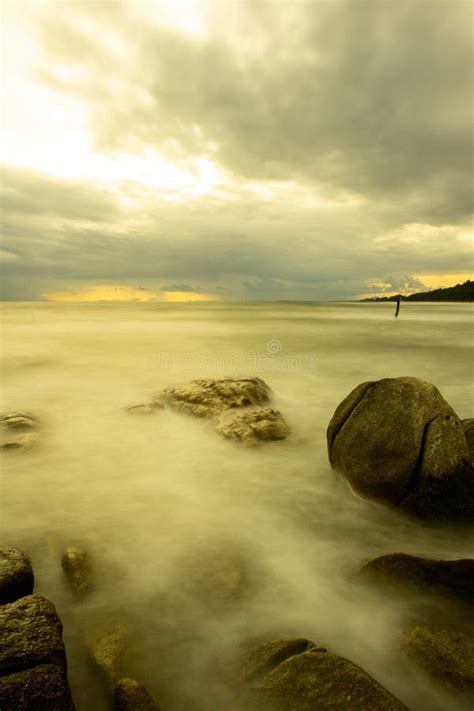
x,y
148,497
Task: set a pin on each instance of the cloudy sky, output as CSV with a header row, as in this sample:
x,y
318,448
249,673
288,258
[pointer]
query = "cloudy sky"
x,y
242,150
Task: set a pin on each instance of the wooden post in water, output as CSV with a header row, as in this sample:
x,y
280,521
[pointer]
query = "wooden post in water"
x,y
397,309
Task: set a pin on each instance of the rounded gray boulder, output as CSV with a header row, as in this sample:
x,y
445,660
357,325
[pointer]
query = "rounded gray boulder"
x,y
398,441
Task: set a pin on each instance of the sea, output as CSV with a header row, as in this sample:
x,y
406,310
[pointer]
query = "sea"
x,y
153,498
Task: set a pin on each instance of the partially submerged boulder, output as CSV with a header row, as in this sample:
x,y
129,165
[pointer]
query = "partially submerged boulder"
x,y
252,426
78,570
446,655
27,440
398,441
208,397
129,695
18,431
453,578
107,653
145,408
468,427
33,667
18,421
16,575
306,677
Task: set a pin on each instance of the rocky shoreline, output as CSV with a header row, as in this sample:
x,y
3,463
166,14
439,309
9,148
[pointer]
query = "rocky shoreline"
x,y
396,441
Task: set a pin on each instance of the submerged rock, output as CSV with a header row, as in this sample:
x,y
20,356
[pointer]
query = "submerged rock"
x,y
206,398
454,578
306,677
77,567
252,426
143,409
129,695
398,441
18,421
33,667
446,655
16,575
215,576
24,441
107,652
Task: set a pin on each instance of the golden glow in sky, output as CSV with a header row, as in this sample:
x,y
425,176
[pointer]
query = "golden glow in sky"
x,y
125,293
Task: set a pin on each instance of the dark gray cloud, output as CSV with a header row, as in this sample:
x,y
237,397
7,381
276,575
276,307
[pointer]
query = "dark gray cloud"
x,y
368,99
370,96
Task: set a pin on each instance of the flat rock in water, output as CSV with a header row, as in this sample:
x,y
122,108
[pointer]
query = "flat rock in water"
x,y
33,667
205,398
398,441
129,695
453,578
312,678
253,426
27,440
77,568
144,409
18,421
16,575
446,655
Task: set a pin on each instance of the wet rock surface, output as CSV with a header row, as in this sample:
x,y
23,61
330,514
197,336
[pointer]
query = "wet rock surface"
x,y
261,659
33,667
313,679
445,654
16,575
398,441
77,568
253,426
129,695
107,653
18,430
451,578
468,427
205,398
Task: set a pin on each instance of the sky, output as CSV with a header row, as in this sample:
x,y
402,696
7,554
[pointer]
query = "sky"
x,y
168,151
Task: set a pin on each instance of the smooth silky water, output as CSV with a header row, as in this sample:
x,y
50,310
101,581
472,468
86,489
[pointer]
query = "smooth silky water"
x,y
145,494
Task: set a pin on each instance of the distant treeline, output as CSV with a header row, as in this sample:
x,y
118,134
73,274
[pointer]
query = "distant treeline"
x,y
460,292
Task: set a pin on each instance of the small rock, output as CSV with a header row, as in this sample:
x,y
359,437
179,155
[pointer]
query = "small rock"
x,y
214,576
16,575
252,426
17,421
446,655
454,578
23,441
205,398
107,652
129,695
77,567
143,409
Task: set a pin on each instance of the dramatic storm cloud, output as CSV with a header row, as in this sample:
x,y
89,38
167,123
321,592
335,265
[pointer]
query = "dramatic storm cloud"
x,y
256,150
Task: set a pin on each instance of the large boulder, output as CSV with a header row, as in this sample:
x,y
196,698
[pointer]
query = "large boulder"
x,y
297,675
253,426
398,441
33,667
208,397
16,574
129,695
452,578
446,655
468,427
